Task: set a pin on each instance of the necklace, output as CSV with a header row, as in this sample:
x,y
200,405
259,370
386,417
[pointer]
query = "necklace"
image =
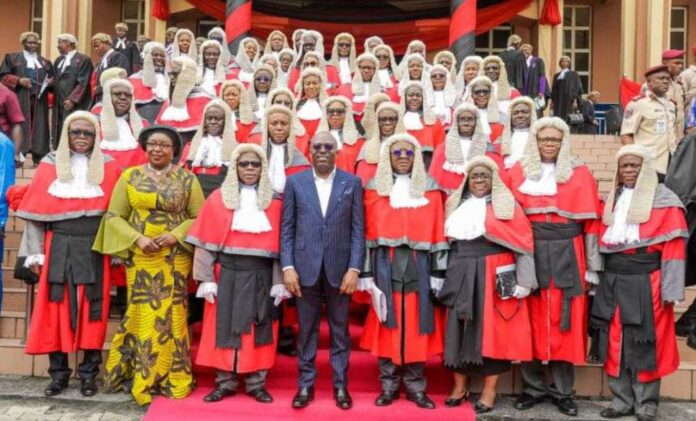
x,y
161,172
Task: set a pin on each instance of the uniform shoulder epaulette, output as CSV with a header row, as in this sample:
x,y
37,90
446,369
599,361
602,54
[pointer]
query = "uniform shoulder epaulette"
x,y
639,96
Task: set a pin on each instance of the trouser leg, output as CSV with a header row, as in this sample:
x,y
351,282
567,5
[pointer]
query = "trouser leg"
x,y
647,396
89,367
227,380
563,379
389,375
309,315
58,367
256,380
533,380
338,305
622,391
414,377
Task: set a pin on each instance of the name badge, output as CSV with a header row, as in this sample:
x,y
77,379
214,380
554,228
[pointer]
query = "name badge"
x,y
661,126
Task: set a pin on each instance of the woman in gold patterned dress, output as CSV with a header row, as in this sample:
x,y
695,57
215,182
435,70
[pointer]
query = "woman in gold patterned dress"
x,y
151,209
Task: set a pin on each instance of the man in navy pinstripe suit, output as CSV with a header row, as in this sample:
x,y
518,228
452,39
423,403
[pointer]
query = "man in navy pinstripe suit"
x,y
322,246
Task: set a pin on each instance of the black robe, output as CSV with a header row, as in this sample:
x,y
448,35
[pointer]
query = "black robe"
x,y
564,92
535,82
36,134
515,66
74,84
115,59
132,55
588,114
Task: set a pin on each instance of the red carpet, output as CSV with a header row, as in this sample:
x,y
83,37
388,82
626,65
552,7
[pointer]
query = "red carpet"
x,y
282,384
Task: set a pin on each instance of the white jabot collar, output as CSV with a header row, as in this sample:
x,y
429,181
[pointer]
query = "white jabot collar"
x,y
78,187
125,142
248,217
545,186
400,195
518,141
310,110
620,232
276,166
468,221
412,120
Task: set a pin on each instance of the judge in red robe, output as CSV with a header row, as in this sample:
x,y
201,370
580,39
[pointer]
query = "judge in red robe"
x,y
338,121
515,135
493,68
184,108
151,84
212,68
490,273
62,208
481,92
235,96
311,93
441,94
420,120
343,58
387,71
465,141
365,82
389,121
406,256
559,197
120,125
242,66
236,235
642,240
206,154
312,42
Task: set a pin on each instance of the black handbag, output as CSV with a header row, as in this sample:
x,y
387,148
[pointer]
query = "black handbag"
x,y
575,119
505,281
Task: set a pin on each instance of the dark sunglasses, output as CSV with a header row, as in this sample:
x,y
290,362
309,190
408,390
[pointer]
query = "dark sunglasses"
x,y
286,103
247,164
319,146
337,111
344,44
437,76
262,79
382,56
400,152
87,134
122,94
481,92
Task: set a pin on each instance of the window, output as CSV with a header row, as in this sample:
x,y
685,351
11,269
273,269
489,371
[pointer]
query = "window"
x,y
493,41
678,28
36,23
577,41
133,15
206,24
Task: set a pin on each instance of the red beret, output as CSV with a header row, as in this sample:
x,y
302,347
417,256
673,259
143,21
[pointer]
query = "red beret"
x,y
656,69
672,54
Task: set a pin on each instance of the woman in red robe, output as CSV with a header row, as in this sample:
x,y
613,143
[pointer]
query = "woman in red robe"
x,y
406,256
235,96
389,121
62,208
387,71
151,84
489,274
493,68
471,65
515,135
264,81
481,93
236,235
338,121
365,82
311,93
642,240
465,141
368,122
420,121
120,125
560,199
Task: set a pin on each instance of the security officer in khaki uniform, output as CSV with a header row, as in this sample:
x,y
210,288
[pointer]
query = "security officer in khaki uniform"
x,y
649,119
688,80
674,60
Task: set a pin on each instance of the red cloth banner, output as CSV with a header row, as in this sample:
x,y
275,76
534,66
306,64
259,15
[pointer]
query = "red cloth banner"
x,y
628,89
160,9
238,22
463,20
551,13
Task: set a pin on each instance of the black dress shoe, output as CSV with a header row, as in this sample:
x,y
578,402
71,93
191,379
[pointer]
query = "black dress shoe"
x,y
303,397
261,395
454,402
55,388
613,413
218,394
343,399
526,401
421,399
88,387
481,408
387,397
288,350
567,406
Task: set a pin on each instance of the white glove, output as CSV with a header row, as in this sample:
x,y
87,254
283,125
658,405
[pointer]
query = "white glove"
x,y
115,261
379,300
592,277
207,290
521,292
34,259
436,284
279,293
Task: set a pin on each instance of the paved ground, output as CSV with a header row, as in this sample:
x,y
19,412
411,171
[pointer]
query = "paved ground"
x,y
21,398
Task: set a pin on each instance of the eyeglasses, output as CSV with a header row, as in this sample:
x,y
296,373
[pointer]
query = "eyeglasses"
x,y
481,92
337,111
163,146
317,147
366,67
87,134
122,94
344,44
466,120
549,141
286,103
437,76
392,120
262,79
249,164
398,153
480,177
382,56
